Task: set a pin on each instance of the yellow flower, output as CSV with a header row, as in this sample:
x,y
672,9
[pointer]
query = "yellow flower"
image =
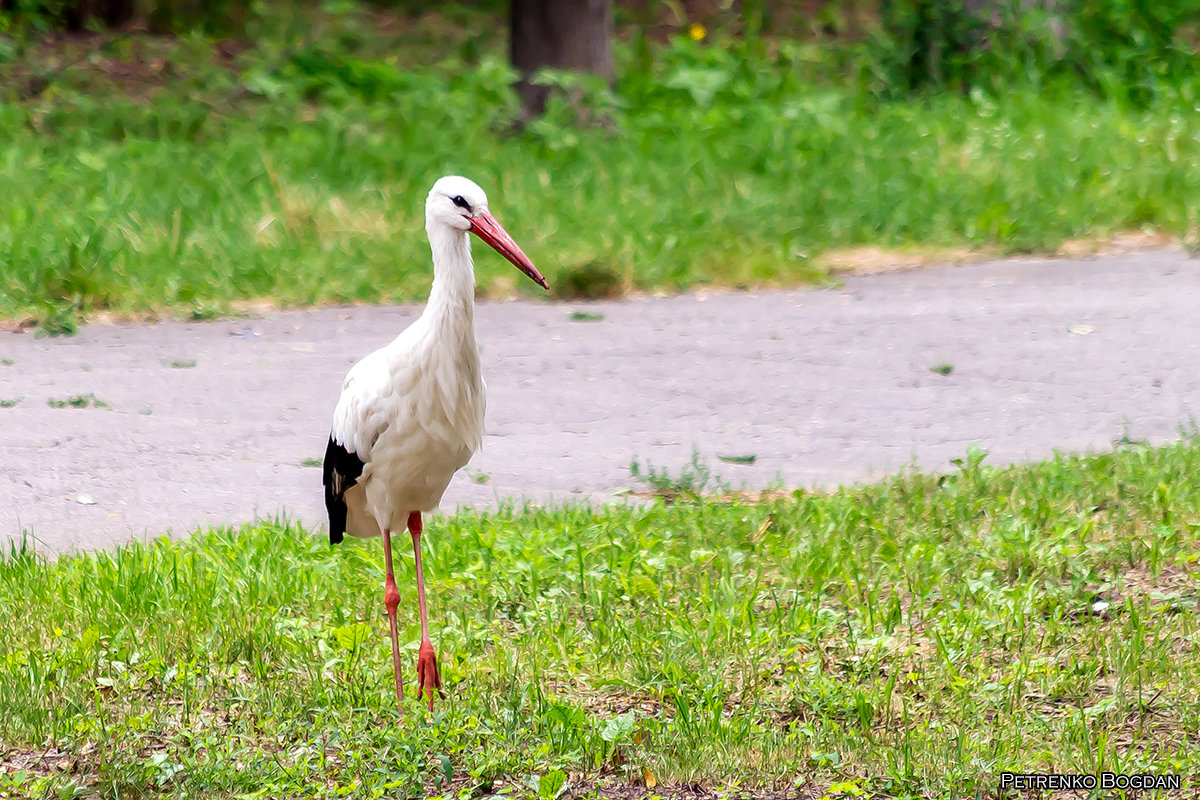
x,y
697,31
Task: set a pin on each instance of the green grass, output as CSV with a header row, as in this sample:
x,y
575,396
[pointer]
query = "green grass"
x,y
88,400
908,639
299,174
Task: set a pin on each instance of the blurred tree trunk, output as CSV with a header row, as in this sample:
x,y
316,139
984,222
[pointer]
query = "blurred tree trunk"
x,y
565,35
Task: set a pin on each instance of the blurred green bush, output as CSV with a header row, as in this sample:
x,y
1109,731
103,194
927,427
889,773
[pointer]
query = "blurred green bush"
x,y
1125,49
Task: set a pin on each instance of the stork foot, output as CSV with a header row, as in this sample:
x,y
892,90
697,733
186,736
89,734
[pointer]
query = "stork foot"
x,y
428,678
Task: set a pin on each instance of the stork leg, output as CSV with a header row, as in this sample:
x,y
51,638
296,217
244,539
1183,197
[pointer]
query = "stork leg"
x,y
391,598
428,678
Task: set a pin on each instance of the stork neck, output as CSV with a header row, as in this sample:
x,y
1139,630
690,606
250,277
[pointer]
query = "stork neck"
x,y
452,297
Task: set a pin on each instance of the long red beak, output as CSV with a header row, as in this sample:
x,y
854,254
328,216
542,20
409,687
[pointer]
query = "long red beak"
x,y
485,226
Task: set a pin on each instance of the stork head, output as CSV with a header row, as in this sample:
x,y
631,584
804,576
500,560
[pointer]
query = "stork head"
x,y
459,204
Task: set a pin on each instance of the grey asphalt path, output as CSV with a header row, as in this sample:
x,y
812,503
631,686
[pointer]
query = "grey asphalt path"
x,y
823,386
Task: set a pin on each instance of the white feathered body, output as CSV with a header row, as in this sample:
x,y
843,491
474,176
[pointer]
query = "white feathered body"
x,y
413,411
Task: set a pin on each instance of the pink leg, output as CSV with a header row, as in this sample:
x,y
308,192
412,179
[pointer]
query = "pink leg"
x,y
391,598
428,678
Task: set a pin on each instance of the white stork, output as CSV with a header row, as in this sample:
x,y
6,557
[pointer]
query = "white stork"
x,y
411,413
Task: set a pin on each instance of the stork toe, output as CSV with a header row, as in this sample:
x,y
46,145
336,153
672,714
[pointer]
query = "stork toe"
x,y
428,677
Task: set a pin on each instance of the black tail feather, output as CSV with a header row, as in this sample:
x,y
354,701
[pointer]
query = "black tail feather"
x,y
341,471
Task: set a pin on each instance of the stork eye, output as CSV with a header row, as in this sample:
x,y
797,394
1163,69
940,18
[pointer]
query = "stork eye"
x,y
460,202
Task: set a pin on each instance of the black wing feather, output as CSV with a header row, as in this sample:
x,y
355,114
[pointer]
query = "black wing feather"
x,y
342,470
